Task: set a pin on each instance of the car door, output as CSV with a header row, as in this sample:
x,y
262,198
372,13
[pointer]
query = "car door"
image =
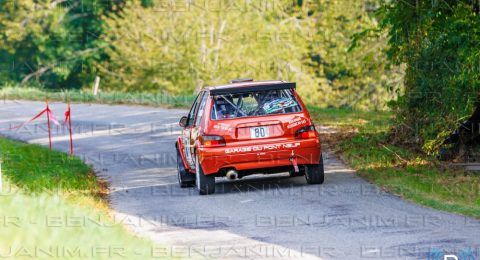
x,y
191,131
195,130
187,131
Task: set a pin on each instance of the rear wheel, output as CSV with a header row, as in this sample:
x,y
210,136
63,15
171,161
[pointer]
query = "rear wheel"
x,y
314,173
185,179
205,183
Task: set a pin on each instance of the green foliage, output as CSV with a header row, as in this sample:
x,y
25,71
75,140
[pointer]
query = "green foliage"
x,y
51,42
179,51
352,73
28,28
177,47
438,41
113,98
187,47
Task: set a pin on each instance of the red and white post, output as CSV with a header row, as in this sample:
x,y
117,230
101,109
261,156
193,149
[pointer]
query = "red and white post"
x,y
48,124
69,118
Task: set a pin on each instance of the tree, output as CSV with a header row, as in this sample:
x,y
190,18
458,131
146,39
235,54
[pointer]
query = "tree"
x,y
348,54
438,41
182,48
50,42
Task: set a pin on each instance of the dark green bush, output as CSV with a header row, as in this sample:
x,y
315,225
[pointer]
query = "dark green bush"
x,y
439,43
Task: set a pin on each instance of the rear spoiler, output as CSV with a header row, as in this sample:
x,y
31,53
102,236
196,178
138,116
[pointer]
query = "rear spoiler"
x,y
253,88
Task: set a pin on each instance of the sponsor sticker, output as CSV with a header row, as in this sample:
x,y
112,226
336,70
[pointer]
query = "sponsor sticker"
x,y
223,127
262,148
296,122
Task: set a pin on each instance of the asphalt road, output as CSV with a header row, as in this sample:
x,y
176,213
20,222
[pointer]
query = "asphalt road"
x,y
260,216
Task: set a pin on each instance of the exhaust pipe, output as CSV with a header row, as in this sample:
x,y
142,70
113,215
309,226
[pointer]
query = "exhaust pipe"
x,y
232,174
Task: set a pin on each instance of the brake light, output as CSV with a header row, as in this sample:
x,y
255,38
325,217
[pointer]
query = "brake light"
x,y
306,132
212,141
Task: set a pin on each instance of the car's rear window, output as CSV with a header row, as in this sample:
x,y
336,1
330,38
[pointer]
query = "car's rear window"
x,y
256,103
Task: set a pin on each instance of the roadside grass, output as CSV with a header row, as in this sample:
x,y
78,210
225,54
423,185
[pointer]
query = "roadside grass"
x,y
361,139
52,206
351,120
79,96
36,170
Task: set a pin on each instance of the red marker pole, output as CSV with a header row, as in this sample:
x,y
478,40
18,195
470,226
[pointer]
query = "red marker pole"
x,y
70,128
48,123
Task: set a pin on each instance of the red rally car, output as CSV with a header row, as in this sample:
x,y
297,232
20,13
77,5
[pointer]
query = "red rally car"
x,y
247,127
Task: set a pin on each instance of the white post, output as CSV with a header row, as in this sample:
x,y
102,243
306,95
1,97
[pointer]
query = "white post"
x,y
95,86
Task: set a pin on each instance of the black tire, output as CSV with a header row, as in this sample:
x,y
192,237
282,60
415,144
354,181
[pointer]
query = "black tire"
x,y
314,173
205,183
185,179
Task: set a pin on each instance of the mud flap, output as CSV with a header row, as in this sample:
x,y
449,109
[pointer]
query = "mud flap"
x,y
293,159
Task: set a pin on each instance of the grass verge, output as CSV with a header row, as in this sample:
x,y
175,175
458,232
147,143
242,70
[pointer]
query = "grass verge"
x,y
52,207
361,140
147,99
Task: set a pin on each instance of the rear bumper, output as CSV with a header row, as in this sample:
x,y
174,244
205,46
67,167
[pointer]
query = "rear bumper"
x,y
258,156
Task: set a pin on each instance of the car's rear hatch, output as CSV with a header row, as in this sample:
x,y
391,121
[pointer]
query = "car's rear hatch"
x,y
257,116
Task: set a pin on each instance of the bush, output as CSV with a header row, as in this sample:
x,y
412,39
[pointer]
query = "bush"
x,y
438,41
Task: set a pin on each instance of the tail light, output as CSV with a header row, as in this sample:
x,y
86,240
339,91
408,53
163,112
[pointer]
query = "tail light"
x,y
306,132
212,141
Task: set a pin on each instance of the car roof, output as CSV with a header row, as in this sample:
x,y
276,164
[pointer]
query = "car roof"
x,y
235,87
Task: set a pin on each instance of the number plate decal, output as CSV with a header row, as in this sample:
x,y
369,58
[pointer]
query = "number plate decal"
x,y
259,132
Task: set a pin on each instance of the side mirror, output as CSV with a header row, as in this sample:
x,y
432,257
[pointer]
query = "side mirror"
x,y
183,121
